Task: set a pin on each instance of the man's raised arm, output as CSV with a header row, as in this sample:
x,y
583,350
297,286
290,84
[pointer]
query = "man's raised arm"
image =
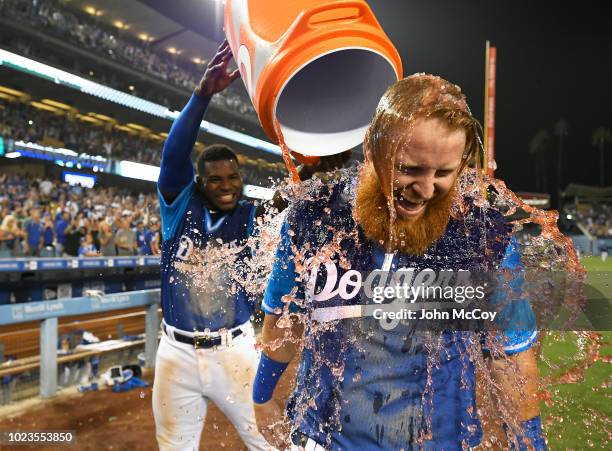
x,y
176,171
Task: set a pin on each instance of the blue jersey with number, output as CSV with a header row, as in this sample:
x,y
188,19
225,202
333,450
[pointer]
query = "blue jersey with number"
x,y
363,383
216,300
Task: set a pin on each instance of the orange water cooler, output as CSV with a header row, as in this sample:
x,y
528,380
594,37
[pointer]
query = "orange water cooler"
x,y
319,67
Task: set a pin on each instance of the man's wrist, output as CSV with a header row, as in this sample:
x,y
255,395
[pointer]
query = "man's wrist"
x,y
269,372
202,95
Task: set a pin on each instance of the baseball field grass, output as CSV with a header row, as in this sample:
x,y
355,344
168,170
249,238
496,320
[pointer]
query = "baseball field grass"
x,y
576,372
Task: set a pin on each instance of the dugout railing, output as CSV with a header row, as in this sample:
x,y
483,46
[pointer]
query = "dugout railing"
x,y
31,279
48,313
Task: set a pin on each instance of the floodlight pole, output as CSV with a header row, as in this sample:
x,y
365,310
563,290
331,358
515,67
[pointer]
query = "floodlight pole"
x,y
489,109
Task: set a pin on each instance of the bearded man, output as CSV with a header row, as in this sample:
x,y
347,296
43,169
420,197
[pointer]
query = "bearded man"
x,y
369,383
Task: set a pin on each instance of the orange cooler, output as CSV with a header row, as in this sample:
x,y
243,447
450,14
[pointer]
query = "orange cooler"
x,y
319,67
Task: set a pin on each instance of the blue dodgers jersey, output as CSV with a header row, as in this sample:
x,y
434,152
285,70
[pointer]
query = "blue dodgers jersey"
x,y
218,300
362,384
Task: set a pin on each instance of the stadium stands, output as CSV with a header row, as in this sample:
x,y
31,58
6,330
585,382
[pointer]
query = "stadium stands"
x,y
61,20
47,122
67,128
596,218
49,218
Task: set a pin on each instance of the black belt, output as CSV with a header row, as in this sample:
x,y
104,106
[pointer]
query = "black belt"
x,y
199,341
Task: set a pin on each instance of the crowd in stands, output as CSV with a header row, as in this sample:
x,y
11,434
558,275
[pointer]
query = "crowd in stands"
x,y
595,217
20,121
47,218
86,32
108,78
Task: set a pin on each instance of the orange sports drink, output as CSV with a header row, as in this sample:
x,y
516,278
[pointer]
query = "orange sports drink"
x,y
315,68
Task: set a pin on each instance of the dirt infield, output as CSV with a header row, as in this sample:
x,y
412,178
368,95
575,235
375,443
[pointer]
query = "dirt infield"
x,y
104,420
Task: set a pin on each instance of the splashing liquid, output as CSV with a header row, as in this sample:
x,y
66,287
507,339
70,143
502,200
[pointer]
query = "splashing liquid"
x,y
329,345
295,177
473,186
491,398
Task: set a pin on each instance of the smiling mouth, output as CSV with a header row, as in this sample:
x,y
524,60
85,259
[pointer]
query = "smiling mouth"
x,y
226,198
407,208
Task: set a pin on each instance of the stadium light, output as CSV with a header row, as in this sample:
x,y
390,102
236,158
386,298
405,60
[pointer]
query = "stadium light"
x,y
61,77
138,171
150,173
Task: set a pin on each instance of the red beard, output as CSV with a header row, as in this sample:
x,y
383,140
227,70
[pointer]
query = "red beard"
x,y
412,236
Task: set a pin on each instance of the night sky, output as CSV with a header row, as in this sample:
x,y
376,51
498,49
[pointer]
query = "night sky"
x,y
554,61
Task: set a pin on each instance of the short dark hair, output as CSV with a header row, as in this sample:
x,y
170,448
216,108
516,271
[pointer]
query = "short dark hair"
x,y
215,152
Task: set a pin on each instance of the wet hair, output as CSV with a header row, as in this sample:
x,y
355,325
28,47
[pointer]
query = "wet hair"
x,y
422,96
214,152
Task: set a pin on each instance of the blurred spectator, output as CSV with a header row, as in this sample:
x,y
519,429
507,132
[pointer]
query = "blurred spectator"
x,y
60,226
34,234
94,229
45,187
143,238
48,239
9,236
107,238
87,248
155,236
73,235
125,238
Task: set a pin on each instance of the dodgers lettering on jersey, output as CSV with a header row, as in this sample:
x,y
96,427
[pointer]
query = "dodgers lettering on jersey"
x,y
362,384
218,301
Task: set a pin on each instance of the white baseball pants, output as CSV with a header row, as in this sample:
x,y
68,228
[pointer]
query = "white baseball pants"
x,y
187,378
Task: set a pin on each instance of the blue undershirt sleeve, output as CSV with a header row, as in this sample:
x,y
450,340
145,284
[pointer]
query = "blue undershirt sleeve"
x,y
282,278
176,170
516,319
